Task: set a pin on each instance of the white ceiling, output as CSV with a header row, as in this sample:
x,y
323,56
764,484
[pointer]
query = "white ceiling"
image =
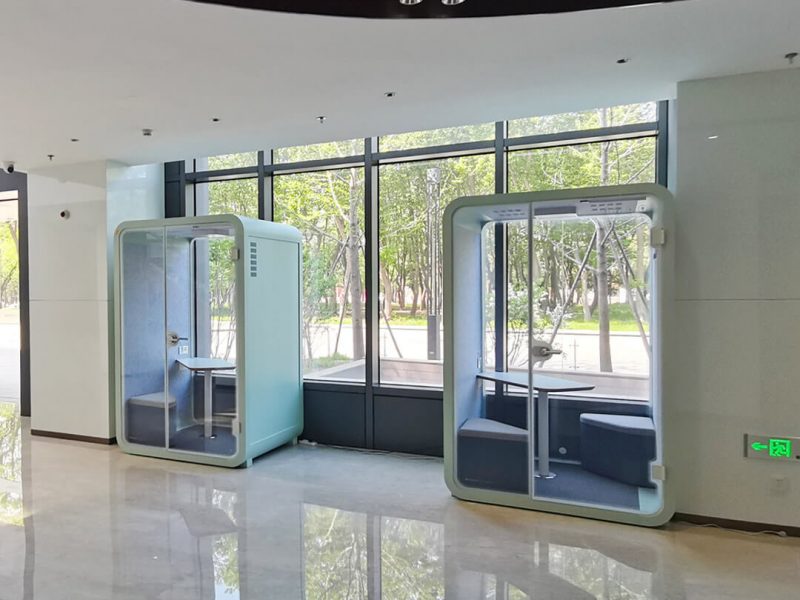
x,y
101,70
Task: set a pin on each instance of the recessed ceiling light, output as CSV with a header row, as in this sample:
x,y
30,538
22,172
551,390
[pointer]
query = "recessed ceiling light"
x,y
713,137
147,132
390,94
410,2
791,57
452,2
73,140
215,119
623,61
322,119
51,157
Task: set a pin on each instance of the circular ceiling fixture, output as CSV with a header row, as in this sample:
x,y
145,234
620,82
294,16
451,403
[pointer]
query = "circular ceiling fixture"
x,y
432,9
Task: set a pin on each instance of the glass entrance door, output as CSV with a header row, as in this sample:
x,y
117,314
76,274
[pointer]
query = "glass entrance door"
x,y
145,401
9,298
590,357
200,340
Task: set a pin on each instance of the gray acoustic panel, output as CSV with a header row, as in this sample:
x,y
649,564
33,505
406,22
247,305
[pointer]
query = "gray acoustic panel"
x,y
413,425
335,418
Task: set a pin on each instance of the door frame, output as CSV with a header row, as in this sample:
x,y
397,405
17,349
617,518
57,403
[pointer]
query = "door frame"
x,y
18,182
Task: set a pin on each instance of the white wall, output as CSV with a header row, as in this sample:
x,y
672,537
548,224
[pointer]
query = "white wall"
x,y
70,287
737,366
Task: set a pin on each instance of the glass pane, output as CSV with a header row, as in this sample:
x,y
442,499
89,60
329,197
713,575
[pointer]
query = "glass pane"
x,y
588,119
412,559
413,197
328,209
201,338
143,338
340,149
603,326
492,441
334,554
437,137
587,165
9,299
591,282
227,161
231,196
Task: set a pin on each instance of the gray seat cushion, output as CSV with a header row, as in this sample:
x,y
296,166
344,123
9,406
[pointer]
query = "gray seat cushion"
x,y
642,426
494,430
155,400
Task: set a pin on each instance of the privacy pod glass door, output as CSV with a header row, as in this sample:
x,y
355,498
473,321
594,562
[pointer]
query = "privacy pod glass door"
x,y
591,345
179,338
568,411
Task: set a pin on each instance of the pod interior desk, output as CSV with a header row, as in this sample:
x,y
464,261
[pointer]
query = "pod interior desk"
x,y
544,385
554,351
208,326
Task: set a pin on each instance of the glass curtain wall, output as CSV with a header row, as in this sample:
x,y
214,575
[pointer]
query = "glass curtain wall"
x,y
405,181
328,209
413,197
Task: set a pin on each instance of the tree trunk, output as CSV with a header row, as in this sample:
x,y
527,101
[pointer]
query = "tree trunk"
x,y
353,266
414,296
604,338
587,305
388,293
602,300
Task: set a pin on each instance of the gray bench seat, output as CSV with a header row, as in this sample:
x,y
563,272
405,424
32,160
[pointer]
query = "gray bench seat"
x,y
493,455
154,400
619,447
488,429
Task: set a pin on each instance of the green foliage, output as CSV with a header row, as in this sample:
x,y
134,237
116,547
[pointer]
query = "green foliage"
x,y
327,207
589,119
436,137
413,197
231,196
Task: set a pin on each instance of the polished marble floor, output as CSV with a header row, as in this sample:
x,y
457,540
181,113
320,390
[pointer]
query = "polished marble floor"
x,y
83,521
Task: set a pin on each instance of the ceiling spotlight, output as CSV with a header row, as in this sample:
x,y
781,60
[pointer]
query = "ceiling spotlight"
x,y
215,119
409,2
390,94
74,140
452,2
147,132
51,157
322,119
623,61
791,57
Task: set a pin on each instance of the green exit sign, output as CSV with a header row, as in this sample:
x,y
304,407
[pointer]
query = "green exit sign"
x,y
772,447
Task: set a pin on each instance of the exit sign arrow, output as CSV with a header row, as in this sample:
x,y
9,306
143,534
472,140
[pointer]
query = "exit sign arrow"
x,y
759,447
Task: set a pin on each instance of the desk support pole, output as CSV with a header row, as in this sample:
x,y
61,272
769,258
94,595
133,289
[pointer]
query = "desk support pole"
x,y
207,397
543,435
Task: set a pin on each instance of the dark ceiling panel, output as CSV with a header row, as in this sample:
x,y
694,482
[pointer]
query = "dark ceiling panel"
x,y
427,9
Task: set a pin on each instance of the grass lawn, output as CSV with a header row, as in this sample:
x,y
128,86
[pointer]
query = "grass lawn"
x,y
621,320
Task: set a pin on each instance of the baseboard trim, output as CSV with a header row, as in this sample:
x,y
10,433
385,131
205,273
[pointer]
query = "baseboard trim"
x,y
75,438
748,526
